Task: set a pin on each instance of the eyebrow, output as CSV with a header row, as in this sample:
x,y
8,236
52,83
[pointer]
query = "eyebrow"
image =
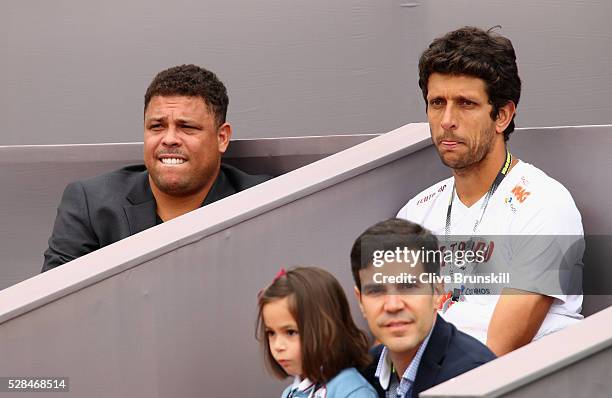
x,y
466,97
186,120
181,120
284,327
156,119
373,285
463,96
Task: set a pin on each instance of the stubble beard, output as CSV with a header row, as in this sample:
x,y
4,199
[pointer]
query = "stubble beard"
x,y
178,188
475,154
183,186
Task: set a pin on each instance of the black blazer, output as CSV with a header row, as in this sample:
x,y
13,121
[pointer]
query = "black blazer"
x,y
96,212
449,353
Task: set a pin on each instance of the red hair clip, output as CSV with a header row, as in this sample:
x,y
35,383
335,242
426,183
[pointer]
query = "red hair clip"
x,y
279,274
282,272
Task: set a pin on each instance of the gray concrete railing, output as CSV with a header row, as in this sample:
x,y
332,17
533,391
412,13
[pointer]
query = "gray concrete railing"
x,y
574,362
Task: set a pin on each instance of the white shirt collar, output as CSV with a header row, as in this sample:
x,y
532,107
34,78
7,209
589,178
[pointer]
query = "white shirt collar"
x,y
301,385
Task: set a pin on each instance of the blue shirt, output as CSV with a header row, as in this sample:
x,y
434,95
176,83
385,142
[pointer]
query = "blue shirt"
x,y
346,384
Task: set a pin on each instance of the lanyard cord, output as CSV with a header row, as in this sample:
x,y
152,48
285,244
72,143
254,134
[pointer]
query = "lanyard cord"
x,y
500,176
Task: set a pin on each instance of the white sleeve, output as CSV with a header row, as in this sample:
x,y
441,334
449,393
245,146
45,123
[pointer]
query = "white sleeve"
x,y
546,248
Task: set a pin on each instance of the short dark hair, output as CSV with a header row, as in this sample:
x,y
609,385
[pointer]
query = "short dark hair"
x,y
474,52
191,81
390,235
330,340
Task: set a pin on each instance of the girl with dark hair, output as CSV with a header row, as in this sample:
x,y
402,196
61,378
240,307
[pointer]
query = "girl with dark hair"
x,y
305,326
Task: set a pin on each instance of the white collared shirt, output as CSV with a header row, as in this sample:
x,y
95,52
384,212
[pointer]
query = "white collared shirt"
x,y
306,389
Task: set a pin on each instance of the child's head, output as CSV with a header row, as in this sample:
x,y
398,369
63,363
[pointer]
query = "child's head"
x,y
306,327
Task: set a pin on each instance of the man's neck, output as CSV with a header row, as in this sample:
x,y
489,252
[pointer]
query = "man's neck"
x,y
471,183
169,206
402,361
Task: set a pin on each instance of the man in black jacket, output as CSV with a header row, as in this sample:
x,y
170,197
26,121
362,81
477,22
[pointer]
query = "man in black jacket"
x,y
185,135
395,267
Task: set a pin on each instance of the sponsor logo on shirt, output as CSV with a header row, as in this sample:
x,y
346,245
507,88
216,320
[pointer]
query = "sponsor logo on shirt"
x,y
508,201
520,193
429,197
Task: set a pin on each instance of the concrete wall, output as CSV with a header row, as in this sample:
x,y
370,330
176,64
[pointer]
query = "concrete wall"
x,y
170,311
76,72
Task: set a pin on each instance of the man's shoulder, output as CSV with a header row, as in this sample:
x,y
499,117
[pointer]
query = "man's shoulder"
x,y
121,175
241,180
537,196
423,201
463,352
469,347
539,185
116,183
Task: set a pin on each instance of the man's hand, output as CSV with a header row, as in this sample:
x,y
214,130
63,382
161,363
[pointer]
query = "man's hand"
x,y
516,319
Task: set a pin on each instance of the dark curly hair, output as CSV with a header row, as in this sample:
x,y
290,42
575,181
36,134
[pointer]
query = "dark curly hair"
x,y
392,234
474,52
191,81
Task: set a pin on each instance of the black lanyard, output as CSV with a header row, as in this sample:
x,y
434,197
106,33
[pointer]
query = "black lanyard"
x,y
500,176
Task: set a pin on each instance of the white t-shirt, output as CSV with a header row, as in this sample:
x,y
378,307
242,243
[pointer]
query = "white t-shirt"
x,y
527,203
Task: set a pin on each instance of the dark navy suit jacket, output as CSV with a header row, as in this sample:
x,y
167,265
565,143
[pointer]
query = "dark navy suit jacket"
x,y
449,353
96,212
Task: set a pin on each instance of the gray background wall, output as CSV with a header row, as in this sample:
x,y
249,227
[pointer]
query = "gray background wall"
x,y
76,72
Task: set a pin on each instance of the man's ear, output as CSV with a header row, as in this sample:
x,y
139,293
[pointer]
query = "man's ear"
x,y
504,116
224,134
358,297
438,292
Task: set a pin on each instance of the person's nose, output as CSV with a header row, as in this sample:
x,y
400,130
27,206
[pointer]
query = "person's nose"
x,y
278,344
393,303
449,118
170,137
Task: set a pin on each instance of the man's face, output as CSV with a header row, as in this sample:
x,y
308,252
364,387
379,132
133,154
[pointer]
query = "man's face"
x,y
399,315
182,144
460,121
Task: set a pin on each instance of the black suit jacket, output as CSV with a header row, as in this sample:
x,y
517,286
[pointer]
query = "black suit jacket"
x,y
96,212
449,353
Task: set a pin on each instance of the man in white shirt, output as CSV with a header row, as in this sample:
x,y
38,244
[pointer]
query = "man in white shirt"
x,y
471,87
